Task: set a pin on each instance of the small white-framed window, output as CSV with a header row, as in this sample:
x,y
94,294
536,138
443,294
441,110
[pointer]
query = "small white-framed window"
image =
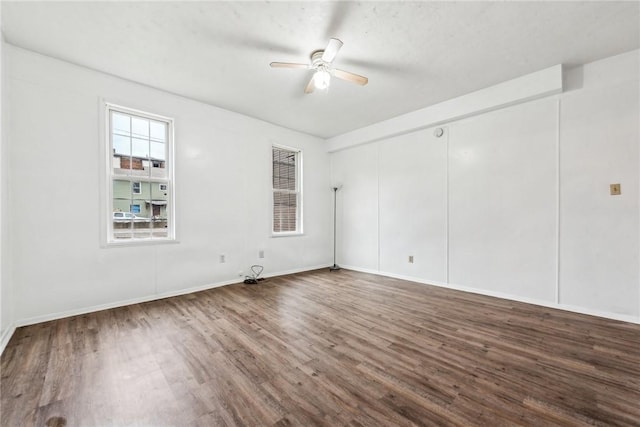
x,y
287,191
140,178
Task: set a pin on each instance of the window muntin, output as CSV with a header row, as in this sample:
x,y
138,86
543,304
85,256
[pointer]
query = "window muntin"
x,y
287,195
140,152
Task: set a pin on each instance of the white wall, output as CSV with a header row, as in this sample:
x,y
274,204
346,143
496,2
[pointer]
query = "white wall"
x,y
599,137
413,176
6,303
502,201
357,206
3,322
513,203
222,191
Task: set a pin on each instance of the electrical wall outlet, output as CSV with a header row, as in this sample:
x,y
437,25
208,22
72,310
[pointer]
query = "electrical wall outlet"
x,y
261,253
615,189
410,259
222,259
240,273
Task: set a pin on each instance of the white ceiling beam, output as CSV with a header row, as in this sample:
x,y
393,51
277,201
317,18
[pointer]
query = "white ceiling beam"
x,y
522,89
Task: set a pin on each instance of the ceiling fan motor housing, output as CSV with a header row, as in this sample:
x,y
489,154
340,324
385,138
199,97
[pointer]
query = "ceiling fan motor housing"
x,y
316,59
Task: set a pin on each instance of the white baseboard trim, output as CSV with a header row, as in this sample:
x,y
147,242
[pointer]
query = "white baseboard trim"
x,y
121,303
298,270
139,300
574,309
6,336
367,270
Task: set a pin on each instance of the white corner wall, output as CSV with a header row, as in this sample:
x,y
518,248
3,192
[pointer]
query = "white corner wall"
x,y
357,206
223,185
512,203
7,325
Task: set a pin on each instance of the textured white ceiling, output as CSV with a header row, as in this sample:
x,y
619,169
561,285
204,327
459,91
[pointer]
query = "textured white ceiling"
x,y
415,53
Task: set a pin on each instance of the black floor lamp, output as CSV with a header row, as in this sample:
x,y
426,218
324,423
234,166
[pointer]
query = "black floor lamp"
x,y
334,266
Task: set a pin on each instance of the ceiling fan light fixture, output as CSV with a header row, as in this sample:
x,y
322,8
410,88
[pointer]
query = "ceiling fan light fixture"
x,y
322,78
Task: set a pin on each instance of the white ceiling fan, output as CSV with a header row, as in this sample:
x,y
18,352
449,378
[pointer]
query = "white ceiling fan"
x,y
322,64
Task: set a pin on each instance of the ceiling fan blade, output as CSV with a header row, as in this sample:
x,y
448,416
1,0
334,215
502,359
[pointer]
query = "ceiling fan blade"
x,y
288,65
310,86
332,50
351,77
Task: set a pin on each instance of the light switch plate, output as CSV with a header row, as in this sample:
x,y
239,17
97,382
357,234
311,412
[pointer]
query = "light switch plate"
x,y
615,189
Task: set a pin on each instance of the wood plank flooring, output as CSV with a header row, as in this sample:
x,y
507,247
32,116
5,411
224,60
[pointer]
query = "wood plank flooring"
x,y
324,348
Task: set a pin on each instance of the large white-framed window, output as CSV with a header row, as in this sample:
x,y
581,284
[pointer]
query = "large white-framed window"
x,y
287,191
140,176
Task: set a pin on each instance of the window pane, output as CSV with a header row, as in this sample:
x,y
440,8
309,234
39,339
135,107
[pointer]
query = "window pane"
x,y
158,131
121,191
122,225
158,168
285,209
120,124
139,157
158,150
121,145
122,219
121,150
284,169
158,160
141,227
140,127
140,148
141,209
158,209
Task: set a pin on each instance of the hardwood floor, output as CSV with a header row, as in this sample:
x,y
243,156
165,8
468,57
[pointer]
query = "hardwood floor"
x,y
321,348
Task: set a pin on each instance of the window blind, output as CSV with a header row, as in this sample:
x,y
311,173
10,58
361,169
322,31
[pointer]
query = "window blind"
x,y
285,190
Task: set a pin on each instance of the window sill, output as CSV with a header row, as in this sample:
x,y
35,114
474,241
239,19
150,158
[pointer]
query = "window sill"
x,y
291,234
139,242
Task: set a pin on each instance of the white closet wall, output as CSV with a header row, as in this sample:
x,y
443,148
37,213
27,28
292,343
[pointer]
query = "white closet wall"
x,y
513,203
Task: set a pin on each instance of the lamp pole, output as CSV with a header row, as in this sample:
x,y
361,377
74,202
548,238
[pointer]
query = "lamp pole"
x,y
335,266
